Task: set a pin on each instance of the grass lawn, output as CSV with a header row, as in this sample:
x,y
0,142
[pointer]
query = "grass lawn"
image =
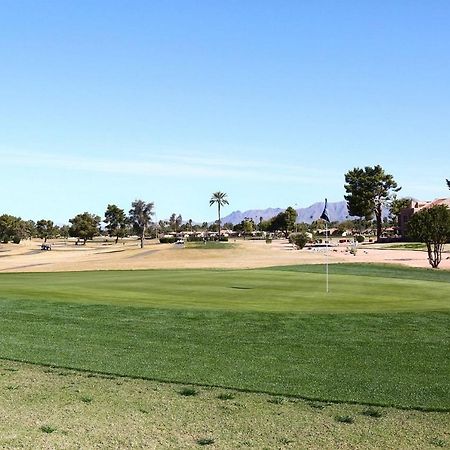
x,y
379,337
58,408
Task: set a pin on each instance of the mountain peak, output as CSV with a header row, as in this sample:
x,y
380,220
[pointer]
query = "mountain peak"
x,y
337,211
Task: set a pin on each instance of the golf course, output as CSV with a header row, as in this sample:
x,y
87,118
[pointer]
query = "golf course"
x,y
379,337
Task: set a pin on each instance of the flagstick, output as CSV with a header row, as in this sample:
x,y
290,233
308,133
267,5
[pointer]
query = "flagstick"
x,y
326,249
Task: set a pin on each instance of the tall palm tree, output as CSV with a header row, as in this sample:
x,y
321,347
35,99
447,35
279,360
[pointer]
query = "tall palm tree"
x,y
141,216
448,183
221,199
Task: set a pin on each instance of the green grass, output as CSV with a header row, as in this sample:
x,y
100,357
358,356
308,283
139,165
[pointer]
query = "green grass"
x,y
132,413
407,245
380,337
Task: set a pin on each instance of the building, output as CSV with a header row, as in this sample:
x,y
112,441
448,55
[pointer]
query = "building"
x,y
414,207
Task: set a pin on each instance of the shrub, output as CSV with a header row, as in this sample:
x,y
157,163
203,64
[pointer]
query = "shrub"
x,y
299,239
344,419
47,429
168,240
226,396
196,239
205,441
371,412
188,391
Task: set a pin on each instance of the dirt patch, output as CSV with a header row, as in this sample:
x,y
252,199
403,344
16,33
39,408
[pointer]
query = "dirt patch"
x,y
242,254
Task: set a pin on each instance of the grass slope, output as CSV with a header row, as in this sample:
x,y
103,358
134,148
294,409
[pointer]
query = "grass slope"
x,y
385,343
64,409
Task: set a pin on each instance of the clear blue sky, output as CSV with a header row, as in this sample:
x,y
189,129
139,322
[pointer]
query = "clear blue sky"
x,y
270,101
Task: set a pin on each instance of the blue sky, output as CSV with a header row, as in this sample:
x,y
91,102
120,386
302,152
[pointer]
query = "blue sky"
x,y
270,101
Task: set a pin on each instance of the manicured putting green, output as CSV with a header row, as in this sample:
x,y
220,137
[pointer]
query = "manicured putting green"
x,y
353,288
380,336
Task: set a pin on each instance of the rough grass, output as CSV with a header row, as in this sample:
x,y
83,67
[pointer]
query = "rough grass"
x,y
385,342
209,245
131,413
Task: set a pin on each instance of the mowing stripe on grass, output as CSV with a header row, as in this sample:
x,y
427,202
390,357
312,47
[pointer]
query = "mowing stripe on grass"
x,y
271,290
375,339
380,359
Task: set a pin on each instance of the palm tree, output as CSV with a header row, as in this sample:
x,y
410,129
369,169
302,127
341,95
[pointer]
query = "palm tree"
x,y
141,216
221,199
448,183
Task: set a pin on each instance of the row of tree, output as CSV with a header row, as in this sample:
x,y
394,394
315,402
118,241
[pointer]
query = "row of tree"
x,y
83,226
118,224
368,190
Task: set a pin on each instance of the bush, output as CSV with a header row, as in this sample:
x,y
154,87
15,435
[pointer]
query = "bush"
x,y
359,238
371,412
226,396
196,239
299,239
223,239
168,240
344,419
205,441
188,392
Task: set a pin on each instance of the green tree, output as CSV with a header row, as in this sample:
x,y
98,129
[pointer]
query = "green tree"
x,y
283,221
248,226
431,226
220,198
175,222
141,217
368,190
12,228
30,228
299,239
63,231
85,226
116,221
397,204
45,229
291,218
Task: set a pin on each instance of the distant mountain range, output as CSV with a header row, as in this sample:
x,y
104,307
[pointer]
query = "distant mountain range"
x,y
337,211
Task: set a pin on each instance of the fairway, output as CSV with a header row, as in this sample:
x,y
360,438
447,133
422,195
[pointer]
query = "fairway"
x,y
379,337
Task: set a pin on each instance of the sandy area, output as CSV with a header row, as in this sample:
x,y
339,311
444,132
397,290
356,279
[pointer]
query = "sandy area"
x,y
66,256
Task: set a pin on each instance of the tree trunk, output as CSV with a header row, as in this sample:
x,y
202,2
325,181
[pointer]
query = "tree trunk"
x,y
434,254
117,239
379,222
218,207
142,237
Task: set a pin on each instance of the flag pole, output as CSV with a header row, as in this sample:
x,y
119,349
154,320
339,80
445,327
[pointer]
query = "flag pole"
x,y
326,250
325,217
